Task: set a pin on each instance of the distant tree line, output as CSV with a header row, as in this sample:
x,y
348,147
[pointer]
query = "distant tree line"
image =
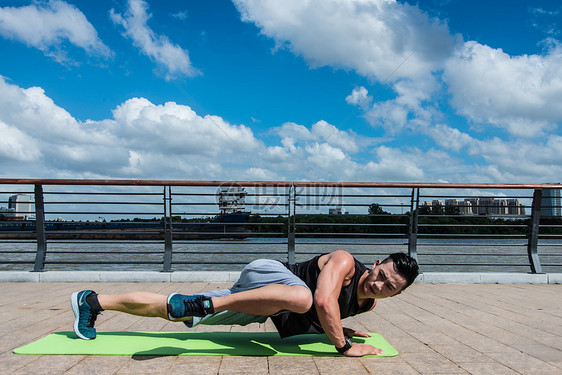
x,y
175,219
432,220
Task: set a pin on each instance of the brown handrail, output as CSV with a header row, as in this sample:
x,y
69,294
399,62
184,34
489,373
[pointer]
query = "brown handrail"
x,y
41,181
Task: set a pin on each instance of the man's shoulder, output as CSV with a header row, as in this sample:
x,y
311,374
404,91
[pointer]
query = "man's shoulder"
x,y
341,255
338,256
338,260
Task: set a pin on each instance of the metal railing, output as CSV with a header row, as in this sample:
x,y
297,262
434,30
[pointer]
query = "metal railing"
x,y
174,225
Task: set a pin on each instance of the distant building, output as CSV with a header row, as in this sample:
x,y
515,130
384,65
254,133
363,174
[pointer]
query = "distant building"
x,y
464,208
471,206
434,207
7,212
486,206
337,211
515,208
550,203
19,207
480,206
433,203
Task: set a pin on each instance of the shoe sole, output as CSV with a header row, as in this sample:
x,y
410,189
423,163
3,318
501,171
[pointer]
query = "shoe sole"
x,y
76,310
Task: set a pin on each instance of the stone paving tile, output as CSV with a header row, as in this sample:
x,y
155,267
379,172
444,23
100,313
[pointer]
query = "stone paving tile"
x,y
486,344
93,365
388,366
525,363
493,368
10,363
185,365
437,329
244,365
147,365
461,353
540,351
292,366
409,345
48,365
432,363
340,365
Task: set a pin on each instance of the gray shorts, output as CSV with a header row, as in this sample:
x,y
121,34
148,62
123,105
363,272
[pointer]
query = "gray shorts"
x,y
256,274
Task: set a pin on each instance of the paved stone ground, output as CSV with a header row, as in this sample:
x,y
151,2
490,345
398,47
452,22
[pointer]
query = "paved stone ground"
x,y
437,328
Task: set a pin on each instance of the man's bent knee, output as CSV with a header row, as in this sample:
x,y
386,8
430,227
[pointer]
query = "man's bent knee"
x,y
300,299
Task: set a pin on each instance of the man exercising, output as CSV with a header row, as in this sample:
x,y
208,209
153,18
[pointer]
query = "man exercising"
x,y
308,297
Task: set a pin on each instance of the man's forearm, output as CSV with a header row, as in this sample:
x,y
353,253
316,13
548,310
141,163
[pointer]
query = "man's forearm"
x,y
329,316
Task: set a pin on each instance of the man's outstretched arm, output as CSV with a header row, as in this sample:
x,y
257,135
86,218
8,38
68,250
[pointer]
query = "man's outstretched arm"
x,y
339,266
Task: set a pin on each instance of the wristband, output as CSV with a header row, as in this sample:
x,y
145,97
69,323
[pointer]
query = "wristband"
x,y
344,348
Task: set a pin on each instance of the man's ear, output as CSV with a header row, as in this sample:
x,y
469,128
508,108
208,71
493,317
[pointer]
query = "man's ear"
x,y
376,263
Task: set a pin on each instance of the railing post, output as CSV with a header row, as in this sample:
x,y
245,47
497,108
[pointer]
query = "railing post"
x,y
413,225
532,245
167,230
40,229
291,226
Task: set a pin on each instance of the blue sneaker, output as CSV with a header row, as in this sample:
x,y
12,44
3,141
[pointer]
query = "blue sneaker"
x,y
181,305
85,316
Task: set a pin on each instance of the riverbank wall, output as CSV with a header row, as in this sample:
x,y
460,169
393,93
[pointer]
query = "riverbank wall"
x,y
232,276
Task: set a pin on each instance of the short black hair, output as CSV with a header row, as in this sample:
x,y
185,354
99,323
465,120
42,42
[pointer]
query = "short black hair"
x,y
405,265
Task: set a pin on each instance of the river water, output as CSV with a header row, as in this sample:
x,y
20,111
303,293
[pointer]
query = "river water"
x,y
435,255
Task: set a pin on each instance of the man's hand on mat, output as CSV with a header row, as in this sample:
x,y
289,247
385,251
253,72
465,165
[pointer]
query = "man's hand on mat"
x,y
359,350
349,333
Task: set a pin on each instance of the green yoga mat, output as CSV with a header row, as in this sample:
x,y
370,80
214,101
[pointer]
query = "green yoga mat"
x,y
194,343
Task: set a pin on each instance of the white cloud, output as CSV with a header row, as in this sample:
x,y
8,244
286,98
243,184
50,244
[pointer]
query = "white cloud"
x,y
522,159
358,96
546,20
324,156
335,137
49,139
34,113
171,57
16,145
400,45
260,174
292,134
294,131
47,26
150,141
371,37
177,129
181,15
392,165
412,107
278,154
391,42
323,152
142,139
449,138
507,161
518,93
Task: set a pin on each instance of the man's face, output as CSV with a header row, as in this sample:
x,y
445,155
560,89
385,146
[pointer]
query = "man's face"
x,y
381,282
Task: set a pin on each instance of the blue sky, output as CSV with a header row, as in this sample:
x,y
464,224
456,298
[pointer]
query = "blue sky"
x,y
347,90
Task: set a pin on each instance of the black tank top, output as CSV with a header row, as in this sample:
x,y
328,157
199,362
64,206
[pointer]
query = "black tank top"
x,y
290,323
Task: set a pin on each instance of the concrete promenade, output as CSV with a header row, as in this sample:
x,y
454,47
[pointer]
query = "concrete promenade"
x,y
437,328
